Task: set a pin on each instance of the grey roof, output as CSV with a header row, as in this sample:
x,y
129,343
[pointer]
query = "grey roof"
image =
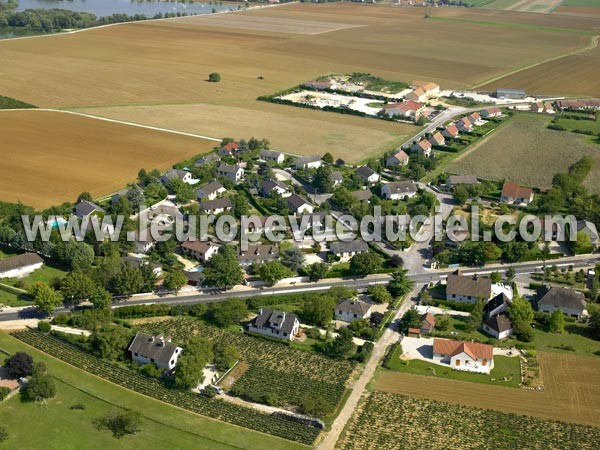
x,y
229,168
19,261
353,307
296,201
458,284
215,204
357,245
275,320
496,302
152,347
462,179
401,187
270,154
174,173
211,157
209,188
561,297
308,158
337,176
504,91
139,262
268,185
499,323
590,229
364,172
362,194
85,208
259,252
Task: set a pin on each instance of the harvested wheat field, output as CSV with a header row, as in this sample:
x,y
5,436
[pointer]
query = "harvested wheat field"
x,y
572,390
392,421
523,150
50,157
168,61
292,130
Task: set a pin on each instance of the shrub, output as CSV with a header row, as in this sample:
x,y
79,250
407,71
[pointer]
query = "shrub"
x,y
3,433
120,423
61,319
214,77
20,365
77,406
44,327
4,391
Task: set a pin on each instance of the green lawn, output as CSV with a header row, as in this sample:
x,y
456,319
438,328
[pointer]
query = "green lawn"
x,y
9,299
504,366
47,274
184,429
583,3
592,126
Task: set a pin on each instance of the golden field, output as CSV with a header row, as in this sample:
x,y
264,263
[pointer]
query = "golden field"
x,y
50,157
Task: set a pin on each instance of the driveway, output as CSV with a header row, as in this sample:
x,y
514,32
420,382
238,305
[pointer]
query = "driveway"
x,y
435,310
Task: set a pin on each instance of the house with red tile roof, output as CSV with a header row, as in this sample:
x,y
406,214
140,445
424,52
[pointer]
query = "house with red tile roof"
x,y
437,139
462,355
229,149
409,108
423,147
451,131
488,113
515,194
464,125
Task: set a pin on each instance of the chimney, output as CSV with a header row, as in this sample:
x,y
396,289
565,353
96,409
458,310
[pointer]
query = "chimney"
x,y
162,340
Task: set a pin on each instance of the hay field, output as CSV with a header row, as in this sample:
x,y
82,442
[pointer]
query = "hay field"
x,y
167,61
50,157
572,390
523,150
290,129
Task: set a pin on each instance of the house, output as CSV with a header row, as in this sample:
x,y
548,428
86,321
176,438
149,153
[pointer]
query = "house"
x,y
182,175
258,253
422,147
271,156
455,180
351,310
210,191
515,194
450,131
299,205
362,195
348,249
467,289
138,263
498,326
408,109
427,323
275,324
399,190
464,125
337,177
461,355
229,149
233,172
589,228
569,301
20,265
542,107
437,139
148,349
274,187
578,104
308,162
86,208
367,175
417,95
398,159
511,94
217,206
496,306
143,240
199,250
474,118
488,113
207,159
263,225
430,88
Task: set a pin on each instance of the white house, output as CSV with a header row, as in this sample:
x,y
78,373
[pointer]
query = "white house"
x,y
143,240
398,159
275,324
399,190
467,289
217,206
569,301
422,147
199,250
351,310
182,175
257,253
367,175
270,187
308,162
233,172
337,177
210,191
491,112
271,156
148,349
461,355
299,205
515,194
498,326
348,249
20,265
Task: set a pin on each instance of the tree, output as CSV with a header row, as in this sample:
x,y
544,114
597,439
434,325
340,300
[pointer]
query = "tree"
x,y
190,365
365,263
442,322
521,314
214,77
46,299
476,317
510,274
410,319
272,271
293,258
127,281
110,342
342,346
175,280
228,312
594,288
241,206
84,196
316,271
120,423
460,194
327,158
379,294
323,180
496,277
135,196
557,321
41,385
343,198
19,365
77,286
223,269
79,254
583,244
400,284
225,356
318,310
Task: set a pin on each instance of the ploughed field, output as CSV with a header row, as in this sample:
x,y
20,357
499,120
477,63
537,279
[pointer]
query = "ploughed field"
x,y
50,157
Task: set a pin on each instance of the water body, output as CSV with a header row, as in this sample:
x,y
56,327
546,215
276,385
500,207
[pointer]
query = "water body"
x,y
103,8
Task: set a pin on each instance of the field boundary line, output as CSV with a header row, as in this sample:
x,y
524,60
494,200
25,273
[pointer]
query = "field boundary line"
x,y
122,122
594,41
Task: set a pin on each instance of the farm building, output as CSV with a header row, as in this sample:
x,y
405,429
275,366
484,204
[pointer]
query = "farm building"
x,y
20,265
148,349
408,109
516,194
461,355
351,310
455,180
569,301
511,94
275,324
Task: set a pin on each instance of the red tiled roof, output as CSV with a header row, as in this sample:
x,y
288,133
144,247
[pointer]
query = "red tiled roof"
x,y
513,190
231,146
473,349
